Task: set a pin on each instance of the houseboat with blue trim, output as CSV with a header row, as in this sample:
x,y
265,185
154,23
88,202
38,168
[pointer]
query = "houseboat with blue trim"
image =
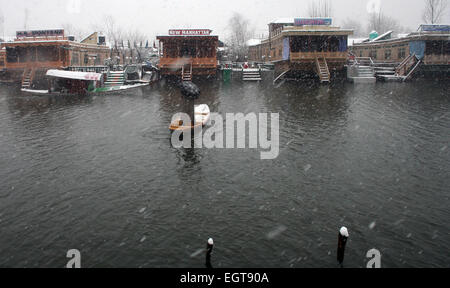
x,y
425,52
304,47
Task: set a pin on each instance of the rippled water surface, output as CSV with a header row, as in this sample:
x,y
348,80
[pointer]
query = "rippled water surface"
x,y
99,174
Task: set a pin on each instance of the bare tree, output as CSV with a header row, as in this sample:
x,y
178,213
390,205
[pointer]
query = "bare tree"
x,y
434,10
320,8
240,33
75,31
136,40
112,31
355,25
382,23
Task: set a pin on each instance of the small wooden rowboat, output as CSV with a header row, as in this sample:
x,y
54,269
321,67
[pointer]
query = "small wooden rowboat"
x,y
202,116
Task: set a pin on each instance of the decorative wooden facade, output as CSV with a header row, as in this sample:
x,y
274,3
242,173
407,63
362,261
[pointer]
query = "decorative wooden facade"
x,y
188,53
32,55
304,45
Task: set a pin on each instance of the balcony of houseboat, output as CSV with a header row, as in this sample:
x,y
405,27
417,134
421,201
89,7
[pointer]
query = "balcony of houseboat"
x,y
197,63
36,57
307,56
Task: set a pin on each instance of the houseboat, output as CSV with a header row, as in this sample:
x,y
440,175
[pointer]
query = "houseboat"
x,y
188,53
421,53
32,53
302,47
2,62
2,59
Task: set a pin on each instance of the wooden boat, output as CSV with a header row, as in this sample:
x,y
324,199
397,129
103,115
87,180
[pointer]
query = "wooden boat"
x,y
63,82
202,116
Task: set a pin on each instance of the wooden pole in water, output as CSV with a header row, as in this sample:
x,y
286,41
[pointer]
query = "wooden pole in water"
x,y
342,242
209,249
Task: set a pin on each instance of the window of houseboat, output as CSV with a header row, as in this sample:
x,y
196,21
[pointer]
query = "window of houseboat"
x,y
387,54
75,59
401,53
187,49
23,54
97,59
436,47
373,54
47,53
315,44
11,55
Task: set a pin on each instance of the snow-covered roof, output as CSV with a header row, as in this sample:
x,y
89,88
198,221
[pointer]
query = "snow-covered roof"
x,y
86,76
352,41
317,29
383,36
8,38
38,41
254,42
435,27
286,20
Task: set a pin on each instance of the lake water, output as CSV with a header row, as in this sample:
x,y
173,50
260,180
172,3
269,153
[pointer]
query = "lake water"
x,y
99,174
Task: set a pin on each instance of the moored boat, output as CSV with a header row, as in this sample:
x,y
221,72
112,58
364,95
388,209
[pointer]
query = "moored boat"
x,y
63,82
202,116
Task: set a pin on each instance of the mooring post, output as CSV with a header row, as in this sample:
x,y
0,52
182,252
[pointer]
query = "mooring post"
x,y
209,249
342,242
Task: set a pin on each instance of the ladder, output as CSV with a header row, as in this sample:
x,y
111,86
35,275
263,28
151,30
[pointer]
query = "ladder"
x,y
186,74
27,78
322,69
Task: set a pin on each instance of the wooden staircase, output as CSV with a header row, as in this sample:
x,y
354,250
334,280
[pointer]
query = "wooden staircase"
x,y
27,78
400,72
322,69
115,79
251,75
407,67
186,73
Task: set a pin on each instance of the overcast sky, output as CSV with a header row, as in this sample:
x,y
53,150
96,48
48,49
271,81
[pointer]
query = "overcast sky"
x,y
156,17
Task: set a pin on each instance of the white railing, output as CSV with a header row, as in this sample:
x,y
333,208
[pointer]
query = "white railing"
x,y
405,64
412,70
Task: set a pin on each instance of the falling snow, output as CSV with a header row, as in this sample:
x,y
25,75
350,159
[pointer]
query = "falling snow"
x,y
276,232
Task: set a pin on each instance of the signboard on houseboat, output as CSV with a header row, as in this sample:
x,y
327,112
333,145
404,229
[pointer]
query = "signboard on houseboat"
x,y
313,21
40,33
434,28
190,32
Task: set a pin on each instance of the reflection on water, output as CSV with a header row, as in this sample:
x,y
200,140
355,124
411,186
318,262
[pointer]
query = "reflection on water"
x,y
99,174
